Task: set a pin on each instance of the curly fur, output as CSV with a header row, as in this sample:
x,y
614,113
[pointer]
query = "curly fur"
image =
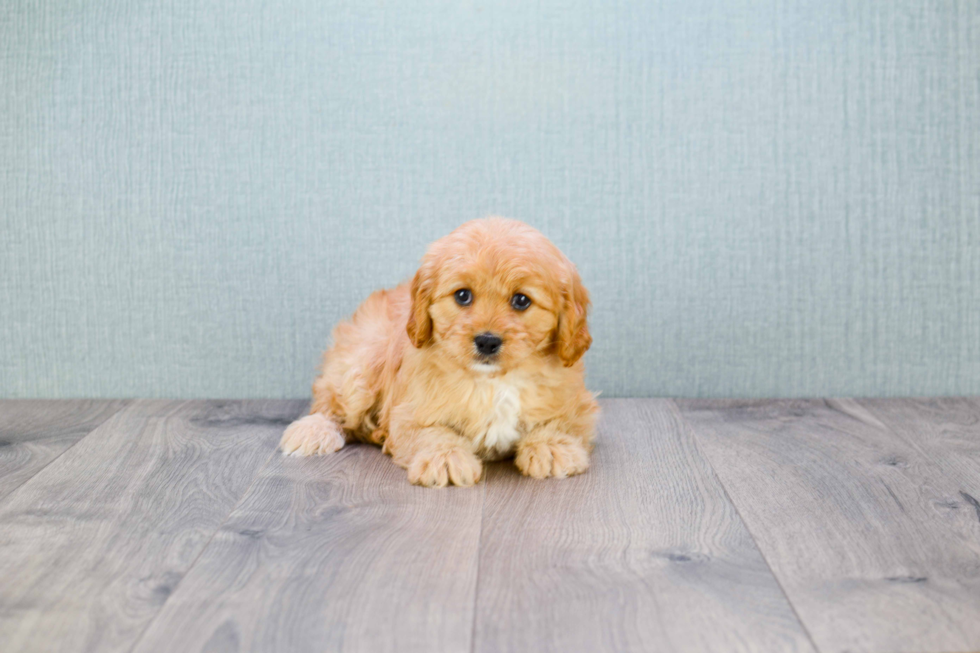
x,y
403,371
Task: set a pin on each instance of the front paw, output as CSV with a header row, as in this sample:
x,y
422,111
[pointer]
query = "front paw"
x,y
313,434
558,456
440,467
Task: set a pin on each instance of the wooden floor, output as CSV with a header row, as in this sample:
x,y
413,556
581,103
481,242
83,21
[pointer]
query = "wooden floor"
x,y
837,525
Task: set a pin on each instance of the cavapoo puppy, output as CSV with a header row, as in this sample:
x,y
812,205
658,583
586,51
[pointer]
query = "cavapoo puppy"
x,y
478,359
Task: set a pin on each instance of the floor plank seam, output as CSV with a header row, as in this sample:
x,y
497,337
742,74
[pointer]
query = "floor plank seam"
x,y
738,512
479,555
69,448
204,548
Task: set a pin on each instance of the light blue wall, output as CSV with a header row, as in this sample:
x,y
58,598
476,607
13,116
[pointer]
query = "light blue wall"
x,y
775,198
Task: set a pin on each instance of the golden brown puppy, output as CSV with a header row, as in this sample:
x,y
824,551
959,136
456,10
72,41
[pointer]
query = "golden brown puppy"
x,y
478,359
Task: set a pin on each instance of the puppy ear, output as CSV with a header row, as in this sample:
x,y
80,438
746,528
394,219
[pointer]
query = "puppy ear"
x,y
419,322
573,330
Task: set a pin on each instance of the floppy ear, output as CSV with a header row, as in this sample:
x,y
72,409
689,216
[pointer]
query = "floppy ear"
x,y
419,323
573,330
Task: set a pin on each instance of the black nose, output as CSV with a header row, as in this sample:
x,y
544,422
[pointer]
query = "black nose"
x,y
487,344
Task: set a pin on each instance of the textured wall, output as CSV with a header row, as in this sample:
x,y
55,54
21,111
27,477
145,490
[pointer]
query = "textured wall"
x,y
774,198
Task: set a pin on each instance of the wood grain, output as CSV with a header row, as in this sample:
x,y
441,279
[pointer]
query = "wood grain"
x,y
92,546
868,536
174,526
34,432
333,553
947,431
643,552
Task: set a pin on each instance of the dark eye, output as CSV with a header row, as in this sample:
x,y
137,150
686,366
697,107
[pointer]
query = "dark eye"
x,y
520,302
464,297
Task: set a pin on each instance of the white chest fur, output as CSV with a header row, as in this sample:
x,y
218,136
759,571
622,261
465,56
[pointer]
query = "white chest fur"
x,y
503,418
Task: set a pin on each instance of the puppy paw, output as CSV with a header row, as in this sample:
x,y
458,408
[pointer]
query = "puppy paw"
x,y
559,456
313,434
441,467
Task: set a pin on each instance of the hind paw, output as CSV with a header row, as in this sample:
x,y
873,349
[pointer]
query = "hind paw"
x,y
314,434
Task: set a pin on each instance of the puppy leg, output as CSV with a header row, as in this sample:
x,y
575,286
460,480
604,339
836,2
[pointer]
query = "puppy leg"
x,y
547,451
435,456
313,434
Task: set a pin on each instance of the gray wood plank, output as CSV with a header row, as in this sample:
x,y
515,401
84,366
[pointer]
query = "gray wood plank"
x,y
947,431
332,553
33,432
644,552
856,523
93,544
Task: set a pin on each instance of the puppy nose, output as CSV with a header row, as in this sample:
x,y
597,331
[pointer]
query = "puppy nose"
x,y
487,343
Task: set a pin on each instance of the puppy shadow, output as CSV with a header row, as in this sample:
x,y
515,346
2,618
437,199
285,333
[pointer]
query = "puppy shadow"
x,y
502,470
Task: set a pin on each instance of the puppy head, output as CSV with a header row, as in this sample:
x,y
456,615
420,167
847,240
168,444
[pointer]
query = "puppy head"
x,y
496,292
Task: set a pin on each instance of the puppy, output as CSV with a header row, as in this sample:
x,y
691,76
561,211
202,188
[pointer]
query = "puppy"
x,y
478,359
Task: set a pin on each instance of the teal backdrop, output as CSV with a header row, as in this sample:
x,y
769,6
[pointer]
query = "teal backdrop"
x,y
764,198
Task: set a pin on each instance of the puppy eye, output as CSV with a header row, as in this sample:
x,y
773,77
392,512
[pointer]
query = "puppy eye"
x,y
520,302
464,297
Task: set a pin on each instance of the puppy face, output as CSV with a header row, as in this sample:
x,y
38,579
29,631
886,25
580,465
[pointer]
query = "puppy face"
x,y
493,294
